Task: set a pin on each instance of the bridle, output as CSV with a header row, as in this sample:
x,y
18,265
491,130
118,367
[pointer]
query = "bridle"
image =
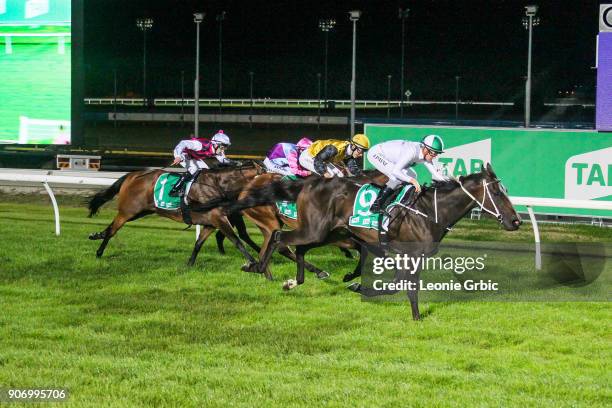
x,y
485,193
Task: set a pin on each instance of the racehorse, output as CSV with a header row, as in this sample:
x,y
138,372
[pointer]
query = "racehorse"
x,y
325,206
269,219
135,191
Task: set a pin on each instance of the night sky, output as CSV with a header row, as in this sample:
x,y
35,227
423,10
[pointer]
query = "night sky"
x,y
484,42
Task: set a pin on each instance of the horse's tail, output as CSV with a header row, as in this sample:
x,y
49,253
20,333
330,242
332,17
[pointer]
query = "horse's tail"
x,y
281,190
100,198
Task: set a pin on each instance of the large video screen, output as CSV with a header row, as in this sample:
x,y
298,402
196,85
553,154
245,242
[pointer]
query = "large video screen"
x,y
35,68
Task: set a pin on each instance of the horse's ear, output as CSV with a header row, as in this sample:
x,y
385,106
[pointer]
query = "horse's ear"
x,y
490,170
259,166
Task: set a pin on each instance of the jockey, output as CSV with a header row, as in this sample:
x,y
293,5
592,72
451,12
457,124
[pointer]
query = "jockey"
x,y
283,158
395,159
192,152
323,156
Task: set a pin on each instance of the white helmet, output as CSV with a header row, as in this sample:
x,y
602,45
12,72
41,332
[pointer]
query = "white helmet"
x,y
221,138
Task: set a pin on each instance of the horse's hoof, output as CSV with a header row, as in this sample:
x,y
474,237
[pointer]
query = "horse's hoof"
x,y
322,275
348,277
289,284
250,267
354,287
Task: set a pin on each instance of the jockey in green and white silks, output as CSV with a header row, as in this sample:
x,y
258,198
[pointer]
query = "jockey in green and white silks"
x,y
396,158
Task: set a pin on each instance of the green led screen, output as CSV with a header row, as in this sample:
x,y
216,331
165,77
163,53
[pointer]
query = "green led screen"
x,y
35,71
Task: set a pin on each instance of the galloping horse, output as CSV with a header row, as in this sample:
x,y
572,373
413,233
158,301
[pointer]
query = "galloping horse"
x,y
325,206
135,191
269,219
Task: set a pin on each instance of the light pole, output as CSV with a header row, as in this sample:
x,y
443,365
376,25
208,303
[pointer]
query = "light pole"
x,y
115,97
326,25
251,74
457,78
403,15
354,17
529,21
182,97
319,99
388,97
197,18
220,18
144,24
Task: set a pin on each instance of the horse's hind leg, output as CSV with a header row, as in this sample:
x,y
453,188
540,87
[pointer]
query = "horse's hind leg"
x,y
204,234
346,253
363,255
109,232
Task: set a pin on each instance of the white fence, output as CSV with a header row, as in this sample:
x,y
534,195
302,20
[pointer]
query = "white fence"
x,y
268,102
102,179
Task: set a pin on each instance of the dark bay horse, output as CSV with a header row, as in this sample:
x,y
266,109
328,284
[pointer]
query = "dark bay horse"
x,y
268,219
325,205
135,191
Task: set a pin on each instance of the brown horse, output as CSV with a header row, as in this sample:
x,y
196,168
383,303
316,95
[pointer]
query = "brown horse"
x,y
325,206
135,191
269,219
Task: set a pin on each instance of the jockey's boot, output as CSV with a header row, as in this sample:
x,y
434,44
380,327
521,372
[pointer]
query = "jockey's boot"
x,y
179,187
380,203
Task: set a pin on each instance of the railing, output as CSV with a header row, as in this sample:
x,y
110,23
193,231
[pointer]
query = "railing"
x,y
102,179
280,103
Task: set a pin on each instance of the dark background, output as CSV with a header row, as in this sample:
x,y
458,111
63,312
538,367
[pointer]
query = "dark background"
x,y
484,42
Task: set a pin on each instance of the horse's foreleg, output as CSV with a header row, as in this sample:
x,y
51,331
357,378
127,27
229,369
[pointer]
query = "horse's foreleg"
x,y
270,244
220,237
204,234
225,227
413,296
300,251
238,222
288,253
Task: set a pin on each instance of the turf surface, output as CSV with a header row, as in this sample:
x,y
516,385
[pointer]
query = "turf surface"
x,y
138,327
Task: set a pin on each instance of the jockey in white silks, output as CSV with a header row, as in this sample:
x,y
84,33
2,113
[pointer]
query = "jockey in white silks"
x,y
396,158
283,158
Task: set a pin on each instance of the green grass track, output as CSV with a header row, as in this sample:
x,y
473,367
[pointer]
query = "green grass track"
x,y
139,328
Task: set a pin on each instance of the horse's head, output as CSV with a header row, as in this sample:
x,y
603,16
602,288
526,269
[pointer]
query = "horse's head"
x,y
496,199
491,196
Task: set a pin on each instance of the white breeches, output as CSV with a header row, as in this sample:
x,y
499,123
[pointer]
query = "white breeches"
x,y
307,162
279,166
193,166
